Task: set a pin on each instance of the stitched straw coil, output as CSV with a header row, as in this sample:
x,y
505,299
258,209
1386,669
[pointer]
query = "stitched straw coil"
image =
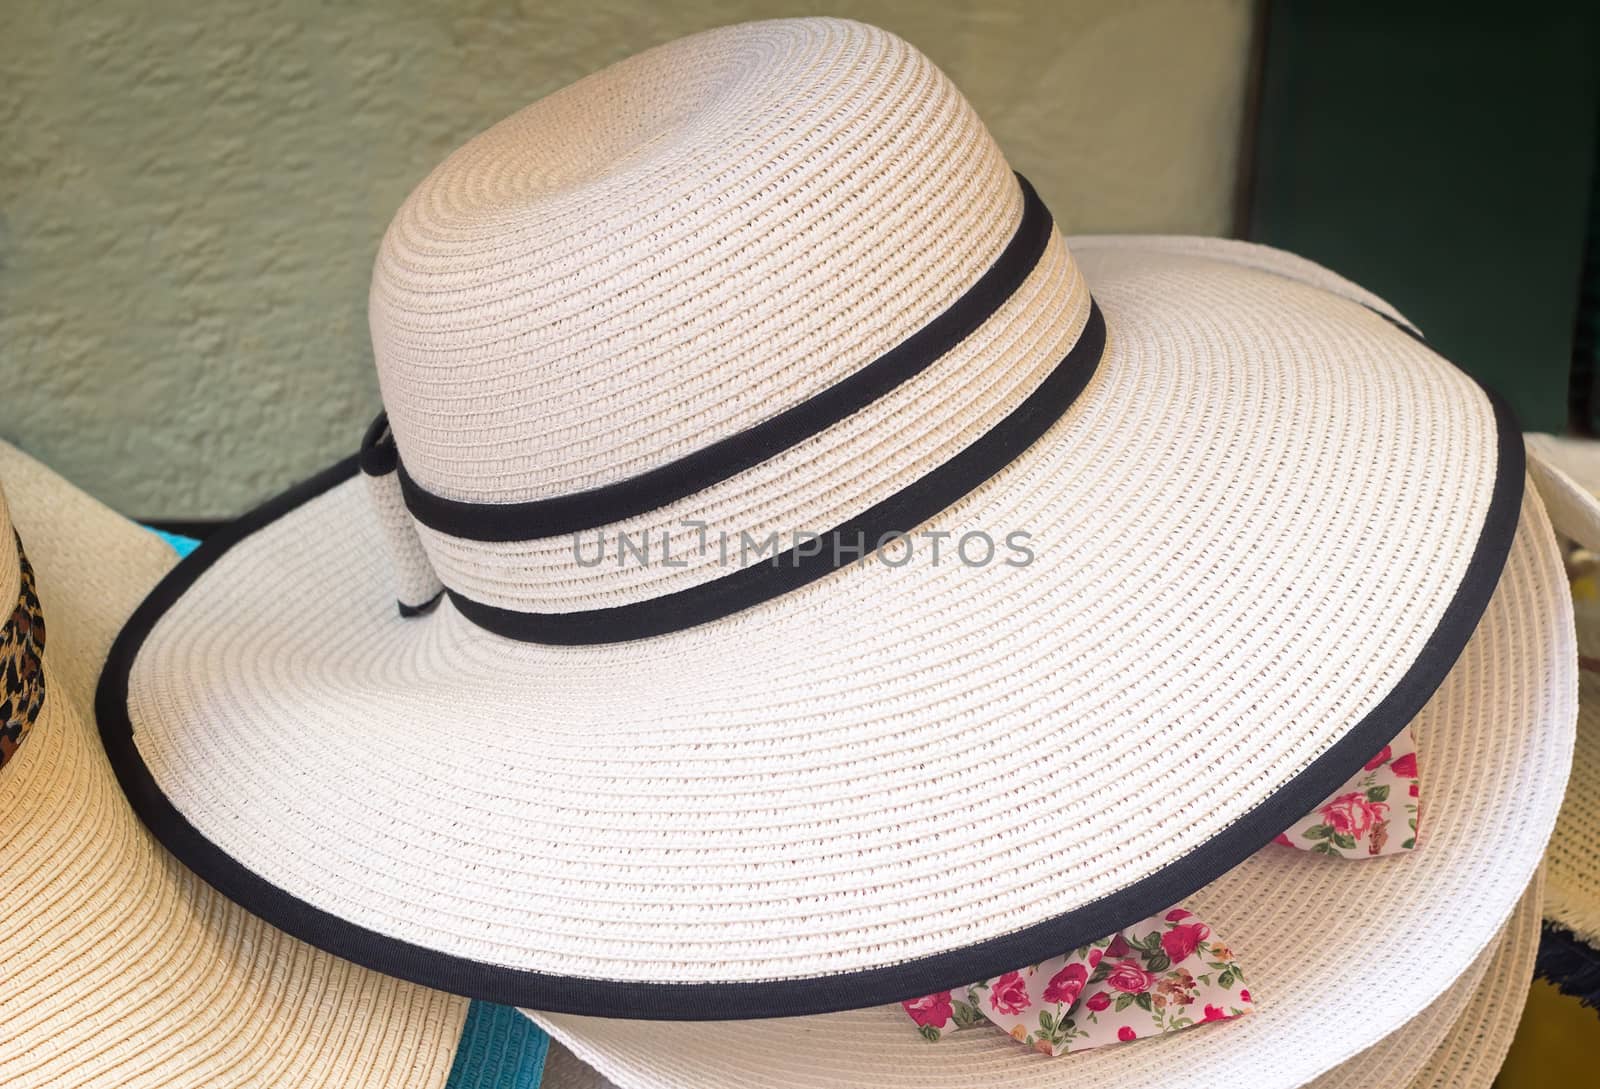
x,y
888,733
1568,473
120,967
1461,1040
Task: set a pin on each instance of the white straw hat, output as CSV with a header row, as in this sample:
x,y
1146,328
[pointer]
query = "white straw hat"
x,y
1461,1040
1568,475
1473,1050
118,967
1495,741
1458,1042
1216,536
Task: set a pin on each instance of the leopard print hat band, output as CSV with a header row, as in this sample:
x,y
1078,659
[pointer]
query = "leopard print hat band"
x,y
21,662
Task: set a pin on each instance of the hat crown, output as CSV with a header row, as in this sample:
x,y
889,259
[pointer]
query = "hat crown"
x,y
674,249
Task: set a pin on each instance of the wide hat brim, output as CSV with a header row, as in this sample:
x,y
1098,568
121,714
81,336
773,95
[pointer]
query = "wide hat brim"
x,y
1264,533
1471,1051
122,968
1458,1042
1494,743
1573,901
1567,473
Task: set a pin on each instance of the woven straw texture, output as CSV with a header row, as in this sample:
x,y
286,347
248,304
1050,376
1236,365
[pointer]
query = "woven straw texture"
x,y
1225,545
1458,1042
498,1051
593,270
1471,1055
1495,745
414,578
551,314
1568,474
121,969
1573,896
1250,255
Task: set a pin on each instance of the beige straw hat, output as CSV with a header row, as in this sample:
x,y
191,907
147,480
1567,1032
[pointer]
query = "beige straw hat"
x,y
118,967
1215,536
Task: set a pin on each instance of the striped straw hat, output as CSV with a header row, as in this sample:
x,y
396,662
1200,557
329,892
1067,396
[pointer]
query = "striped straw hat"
x,y
118,967
789,578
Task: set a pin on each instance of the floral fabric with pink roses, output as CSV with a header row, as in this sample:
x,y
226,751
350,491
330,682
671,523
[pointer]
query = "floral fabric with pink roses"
x,y
1167,974
1374,814
1161,975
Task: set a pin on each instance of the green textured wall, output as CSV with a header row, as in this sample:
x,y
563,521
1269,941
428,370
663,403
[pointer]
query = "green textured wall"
x,y
191,195
1452,177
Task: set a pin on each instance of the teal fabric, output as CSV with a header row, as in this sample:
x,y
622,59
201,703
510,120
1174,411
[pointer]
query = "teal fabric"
x,y
499,1048
180,544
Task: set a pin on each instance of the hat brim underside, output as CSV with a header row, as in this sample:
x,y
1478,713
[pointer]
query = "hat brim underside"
x,y
122,968
1264,535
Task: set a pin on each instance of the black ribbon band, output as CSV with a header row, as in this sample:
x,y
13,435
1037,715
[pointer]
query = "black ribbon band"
x,y
563,514
899,514
378,455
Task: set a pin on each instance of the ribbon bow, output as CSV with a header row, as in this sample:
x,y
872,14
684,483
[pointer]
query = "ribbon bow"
x,y
1358,821
1166,973
1160,975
